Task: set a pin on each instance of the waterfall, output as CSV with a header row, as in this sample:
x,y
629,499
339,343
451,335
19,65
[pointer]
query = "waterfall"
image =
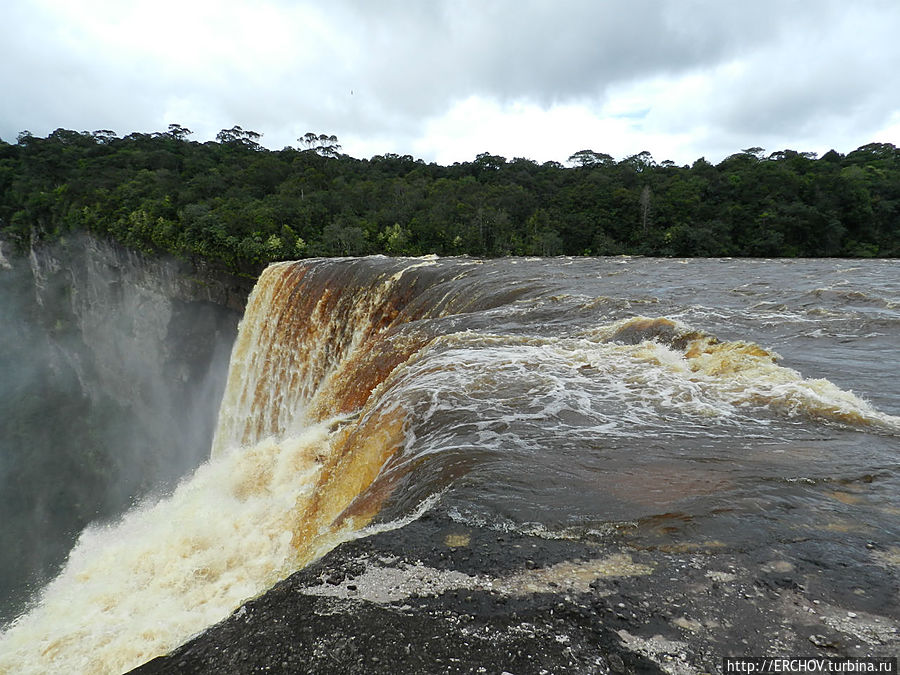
x,y
306,427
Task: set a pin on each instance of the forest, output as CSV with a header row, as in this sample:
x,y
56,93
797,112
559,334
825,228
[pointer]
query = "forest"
x,y
239,205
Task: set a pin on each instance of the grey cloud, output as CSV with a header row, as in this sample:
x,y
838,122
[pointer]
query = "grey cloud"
x,y
411,61
52,85
548,52
383,69
834,71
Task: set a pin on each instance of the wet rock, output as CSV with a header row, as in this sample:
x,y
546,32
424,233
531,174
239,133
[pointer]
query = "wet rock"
x,y
616,664
823,642
526,605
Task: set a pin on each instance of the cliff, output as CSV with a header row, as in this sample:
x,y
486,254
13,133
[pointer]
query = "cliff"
x,y
113,367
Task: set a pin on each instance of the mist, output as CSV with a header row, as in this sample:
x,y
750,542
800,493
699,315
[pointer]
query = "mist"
x,y
112,368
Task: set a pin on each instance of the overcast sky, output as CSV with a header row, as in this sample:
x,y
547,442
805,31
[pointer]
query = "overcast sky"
x,y
444,80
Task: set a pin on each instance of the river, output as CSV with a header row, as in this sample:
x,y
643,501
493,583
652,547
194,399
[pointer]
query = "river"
x,y
702,404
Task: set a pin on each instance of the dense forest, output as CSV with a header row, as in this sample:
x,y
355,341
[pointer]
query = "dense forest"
x,y
236,203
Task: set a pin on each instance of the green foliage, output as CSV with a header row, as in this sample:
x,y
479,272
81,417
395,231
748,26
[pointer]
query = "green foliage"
x,y
237,204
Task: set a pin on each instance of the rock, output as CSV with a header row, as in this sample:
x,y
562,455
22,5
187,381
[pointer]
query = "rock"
x,y
822,641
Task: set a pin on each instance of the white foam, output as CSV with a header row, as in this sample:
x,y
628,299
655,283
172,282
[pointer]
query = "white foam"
x,y
140,587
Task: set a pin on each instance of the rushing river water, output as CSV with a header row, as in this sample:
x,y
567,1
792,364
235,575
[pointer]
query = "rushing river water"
x,y
579,416
717,404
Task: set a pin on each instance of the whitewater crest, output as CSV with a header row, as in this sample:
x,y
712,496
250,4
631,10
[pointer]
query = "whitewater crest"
x,y
740,373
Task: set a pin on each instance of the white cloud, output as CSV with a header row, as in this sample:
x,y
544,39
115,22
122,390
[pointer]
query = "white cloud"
x,y
477,125
890,132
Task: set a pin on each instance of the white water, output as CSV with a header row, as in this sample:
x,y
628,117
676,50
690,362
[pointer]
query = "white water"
x,y
140,587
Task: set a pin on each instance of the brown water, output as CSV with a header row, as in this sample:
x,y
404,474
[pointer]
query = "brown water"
x,y
756,400
684,405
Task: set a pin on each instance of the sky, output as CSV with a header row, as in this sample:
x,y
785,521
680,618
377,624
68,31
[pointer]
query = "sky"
x,y
445,80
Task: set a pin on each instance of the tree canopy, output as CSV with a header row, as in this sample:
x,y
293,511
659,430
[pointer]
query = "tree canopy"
x,y
236,203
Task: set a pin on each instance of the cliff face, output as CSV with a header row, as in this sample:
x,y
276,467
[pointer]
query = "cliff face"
x,y
154,335
113,367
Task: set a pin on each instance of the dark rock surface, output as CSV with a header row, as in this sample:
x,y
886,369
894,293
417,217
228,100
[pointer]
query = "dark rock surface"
x,y
437,596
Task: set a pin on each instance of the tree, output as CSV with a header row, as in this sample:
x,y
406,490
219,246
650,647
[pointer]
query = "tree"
x,y
342,238
587,158
393,240
485,161
328,145
646,195
242,209
322,144
756,151
180,133
640,162
104,136
237,136
309,139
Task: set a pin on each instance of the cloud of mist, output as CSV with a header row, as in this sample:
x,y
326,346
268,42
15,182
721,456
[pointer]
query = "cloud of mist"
x,y
109,395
